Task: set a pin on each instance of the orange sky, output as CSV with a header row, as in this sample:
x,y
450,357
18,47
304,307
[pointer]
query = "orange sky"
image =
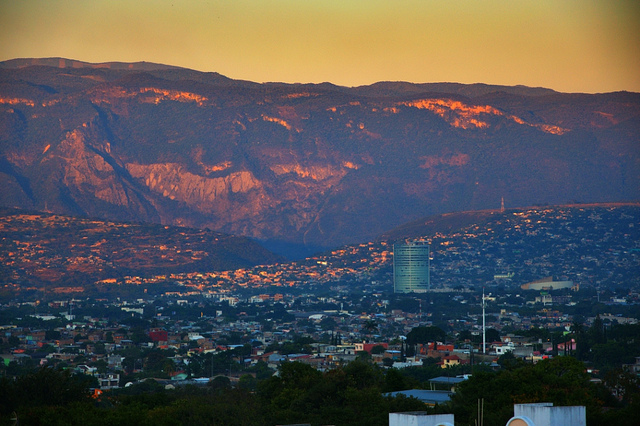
x,y
567,45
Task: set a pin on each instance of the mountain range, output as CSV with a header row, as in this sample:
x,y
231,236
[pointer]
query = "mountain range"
x,y
299,167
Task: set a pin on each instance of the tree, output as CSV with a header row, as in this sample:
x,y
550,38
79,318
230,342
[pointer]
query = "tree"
x,y
14,341
45,386
387,362
138,335
509,361
220,383
363,355
261,369
328,323
393,381
425,334
582,344
378,349
596,332
370,326
169,367
492,335
51,334
101,366
560,380
99,348
422,335
248,382
348,395
625,385
154,362
465,335
298,375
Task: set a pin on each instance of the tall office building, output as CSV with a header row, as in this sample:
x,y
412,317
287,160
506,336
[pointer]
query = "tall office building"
x,y
411,267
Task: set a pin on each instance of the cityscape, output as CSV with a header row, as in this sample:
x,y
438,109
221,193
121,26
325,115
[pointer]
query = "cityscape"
x,y
319,213
488,297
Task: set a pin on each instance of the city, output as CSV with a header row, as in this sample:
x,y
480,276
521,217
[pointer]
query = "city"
x,y
239,327
312,213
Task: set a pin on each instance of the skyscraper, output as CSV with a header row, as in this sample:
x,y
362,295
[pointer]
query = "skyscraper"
x,y
411,267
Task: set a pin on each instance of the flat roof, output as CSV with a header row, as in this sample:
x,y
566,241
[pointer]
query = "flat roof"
x,y
447,380
427,396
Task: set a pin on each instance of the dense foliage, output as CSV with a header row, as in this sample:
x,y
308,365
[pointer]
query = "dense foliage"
x,y
299,393
560,380
350,395
607,346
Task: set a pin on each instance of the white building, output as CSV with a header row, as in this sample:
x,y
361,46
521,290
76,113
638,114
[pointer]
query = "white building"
x,y
545,414
420,418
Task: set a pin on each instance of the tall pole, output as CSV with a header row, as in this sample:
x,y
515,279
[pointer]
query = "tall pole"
x,y
429,266
484,331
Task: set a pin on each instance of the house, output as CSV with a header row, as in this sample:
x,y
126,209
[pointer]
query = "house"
x,y
158,335
85,369
434,350
115,362
367,347
450,360
503,348
108,381
633,368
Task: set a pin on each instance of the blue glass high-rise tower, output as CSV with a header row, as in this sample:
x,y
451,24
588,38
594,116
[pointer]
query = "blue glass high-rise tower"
x,y
411,267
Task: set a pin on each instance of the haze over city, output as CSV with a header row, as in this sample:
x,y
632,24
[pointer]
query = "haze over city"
x,y
585,46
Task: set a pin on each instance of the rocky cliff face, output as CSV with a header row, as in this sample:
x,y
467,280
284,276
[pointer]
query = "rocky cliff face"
x,y
315,165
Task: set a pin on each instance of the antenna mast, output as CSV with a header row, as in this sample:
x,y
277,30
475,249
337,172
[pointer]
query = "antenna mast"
x,y
484,331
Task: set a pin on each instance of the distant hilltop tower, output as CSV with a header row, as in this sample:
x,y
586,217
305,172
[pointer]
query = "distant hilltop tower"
x,y
411,267
502,205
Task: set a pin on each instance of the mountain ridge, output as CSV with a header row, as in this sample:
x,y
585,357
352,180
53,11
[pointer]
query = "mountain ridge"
x,y
381,88
302,164
59,62
456,221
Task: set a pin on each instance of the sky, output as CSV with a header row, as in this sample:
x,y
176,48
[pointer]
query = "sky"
x,y
567,45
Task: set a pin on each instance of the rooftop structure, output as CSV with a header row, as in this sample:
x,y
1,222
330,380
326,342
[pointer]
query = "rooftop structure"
x,y
545,414
539,414
547,284
420,418
429,397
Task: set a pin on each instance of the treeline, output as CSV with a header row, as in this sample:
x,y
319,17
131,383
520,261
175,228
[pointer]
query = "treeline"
x,y
562,381
605,345
298,393
353,394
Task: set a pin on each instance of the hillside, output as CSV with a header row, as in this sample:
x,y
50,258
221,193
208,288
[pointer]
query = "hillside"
x,y
299,165
49,250
593,245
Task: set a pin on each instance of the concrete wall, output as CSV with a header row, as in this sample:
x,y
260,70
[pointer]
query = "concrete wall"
x,y
420,418
545,414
